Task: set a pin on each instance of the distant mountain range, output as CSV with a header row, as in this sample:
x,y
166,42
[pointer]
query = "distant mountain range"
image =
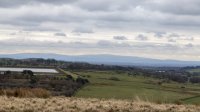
x,y
106,59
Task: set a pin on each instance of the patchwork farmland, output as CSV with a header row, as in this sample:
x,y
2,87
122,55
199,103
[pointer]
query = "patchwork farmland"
x,y
83,80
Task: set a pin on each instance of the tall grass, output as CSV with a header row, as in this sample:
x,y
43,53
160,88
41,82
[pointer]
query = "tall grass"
x,y
73,104
25,92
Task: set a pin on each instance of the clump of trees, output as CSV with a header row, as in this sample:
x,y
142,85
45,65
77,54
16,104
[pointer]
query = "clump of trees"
x,y
82,81
57,85
32,77
195,79
177,75
39,62
114,79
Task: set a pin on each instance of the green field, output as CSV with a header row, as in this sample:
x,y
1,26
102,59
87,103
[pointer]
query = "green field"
x,y
197,70
136,87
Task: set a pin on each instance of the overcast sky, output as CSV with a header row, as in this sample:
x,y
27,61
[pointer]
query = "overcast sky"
x,y
163,29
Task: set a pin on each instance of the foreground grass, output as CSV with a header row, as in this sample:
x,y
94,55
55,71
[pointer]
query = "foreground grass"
x,y
64,104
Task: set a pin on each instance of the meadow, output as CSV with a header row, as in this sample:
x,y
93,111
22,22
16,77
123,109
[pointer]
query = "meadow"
x,y
195,70
130,87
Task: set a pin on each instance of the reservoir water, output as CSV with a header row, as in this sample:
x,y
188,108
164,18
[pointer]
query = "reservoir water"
x,y
41,70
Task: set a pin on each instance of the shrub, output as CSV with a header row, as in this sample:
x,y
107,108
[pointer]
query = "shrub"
x,y
82,80
33,79
26,92
114,78
88,76
69,77
160,83
182,87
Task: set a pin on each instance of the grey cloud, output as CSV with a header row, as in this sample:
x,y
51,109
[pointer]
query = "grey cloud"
x,y
181,7
119,38
190,45
160,47
128,15
171,40
104,43
137,45
82,30
108,5
21,17
16,3
106,17
60,34
28,45
14,33
110,44
159,34
94,5
16,42
10,3
41,29
142,37
56,1
174,35
189,38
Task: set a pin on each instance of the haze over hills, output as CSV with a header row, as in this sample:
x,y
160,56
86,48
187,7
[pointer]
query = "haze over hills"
x,y
105,59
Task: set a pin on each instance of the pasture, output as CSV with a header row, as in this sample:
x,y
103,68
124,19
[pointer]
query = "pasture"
x,y
136,87
196,70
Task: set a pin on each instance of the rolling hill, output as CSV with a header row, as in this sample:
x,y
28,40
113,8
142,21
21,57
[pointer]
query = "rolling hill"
x,y
106,59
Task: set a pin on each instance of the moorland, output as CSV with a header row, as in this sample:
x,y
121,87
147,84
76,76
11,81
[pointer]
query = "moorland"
x,y
156,85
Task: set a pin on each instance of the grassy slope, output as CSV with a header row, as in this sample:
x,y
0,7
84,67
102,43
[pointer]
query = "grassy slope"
x,y
130,87
194,70
63,104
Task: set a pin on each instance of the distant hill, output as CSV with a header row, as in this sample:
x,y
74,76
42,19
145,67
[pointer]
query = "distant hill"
x,y
106,59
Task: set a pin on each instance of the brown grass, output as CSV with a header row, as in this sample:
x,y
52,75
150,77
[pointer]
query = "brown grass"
x,y
64,104
25,92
